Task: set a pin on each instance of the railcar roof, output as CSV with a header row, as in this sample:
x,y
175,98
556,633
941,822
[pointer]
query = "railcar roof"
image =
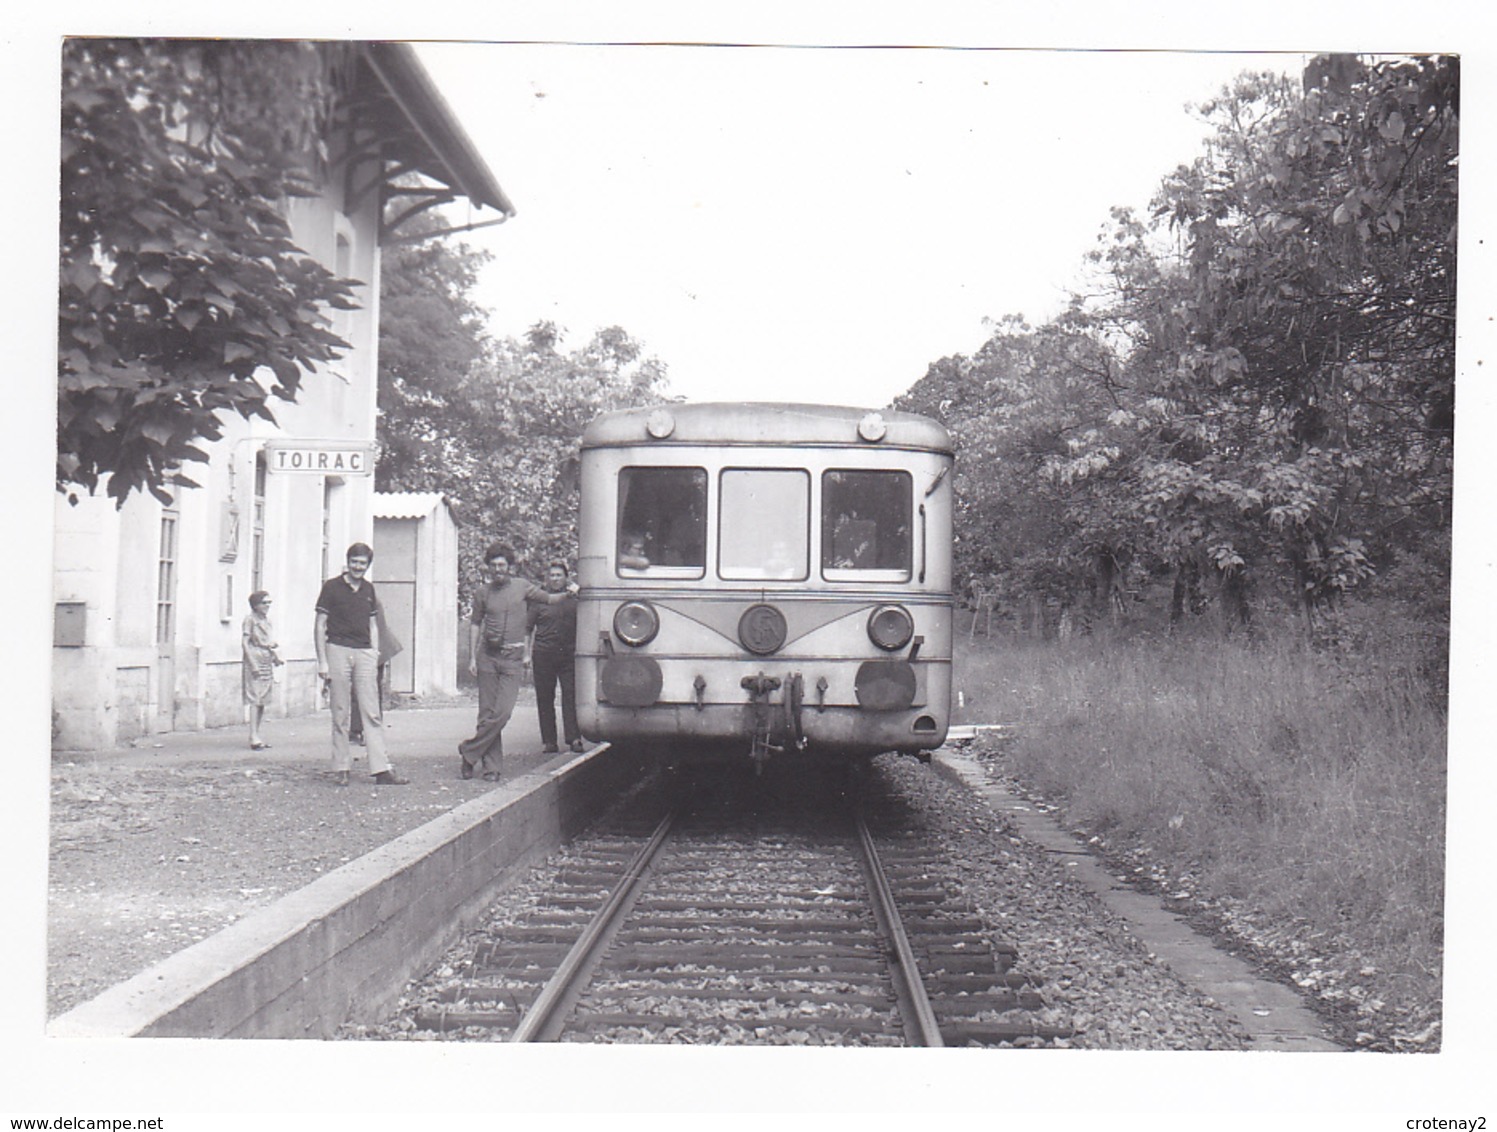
x,y
747,422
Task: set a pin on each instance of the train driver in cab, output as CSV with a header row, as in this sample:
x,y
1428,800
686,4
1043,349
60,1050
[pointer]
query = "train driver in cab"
x,y
632,552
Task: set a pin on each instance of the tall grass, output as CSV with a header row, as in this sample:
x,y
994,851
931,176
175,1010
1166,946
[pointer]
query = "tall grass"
x,y
1277,775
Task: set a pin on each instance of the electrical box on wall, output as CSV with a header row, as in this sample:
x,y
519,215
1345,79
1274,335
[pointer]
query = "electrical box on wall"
x,y
69,624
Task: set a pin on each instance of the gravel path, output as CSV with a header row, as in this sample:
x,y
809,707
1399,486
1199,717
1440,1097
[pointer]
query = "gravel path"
x,y
1091,970
154,850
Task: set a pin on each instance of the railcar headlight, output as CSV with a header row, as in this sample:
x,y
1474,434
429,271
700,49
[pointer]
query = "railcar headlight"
x,y
660,424
890,627
636,623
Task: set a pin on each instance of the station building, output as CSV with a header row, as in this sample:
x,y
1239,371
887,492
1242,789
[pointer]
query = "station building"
x,y
150,598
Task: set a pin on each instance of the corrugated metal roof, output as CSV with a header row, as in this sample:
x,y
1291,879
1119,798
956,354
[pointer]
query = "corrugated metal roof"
x,y
406,504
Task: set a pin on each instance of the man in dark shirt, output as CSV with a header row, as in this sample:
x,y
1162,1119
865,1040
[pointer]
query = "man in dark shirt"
x,y
553,646
346,636
496,644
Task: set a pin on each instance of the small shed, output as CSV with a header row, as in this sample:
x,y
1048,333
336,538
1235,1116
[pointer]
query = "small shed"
x,y
415,572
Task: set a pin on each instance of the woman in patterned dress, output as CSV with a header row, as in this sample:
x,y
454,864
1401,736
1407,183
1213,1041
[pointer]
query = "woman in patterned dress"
x,y
260,661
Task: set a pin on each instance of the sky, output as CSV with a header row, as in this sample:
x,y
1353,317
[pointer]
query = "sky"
x,y
809,223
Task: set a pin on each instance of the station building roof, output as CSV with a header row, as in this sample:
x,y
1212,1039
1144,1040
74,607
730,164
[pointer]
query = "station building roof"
x,y
425,155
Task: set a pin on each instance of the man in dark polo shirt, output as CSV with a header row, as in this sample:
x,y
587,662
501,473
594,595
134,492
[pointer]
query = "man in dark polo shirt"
x,y
347,640
497,656
553,648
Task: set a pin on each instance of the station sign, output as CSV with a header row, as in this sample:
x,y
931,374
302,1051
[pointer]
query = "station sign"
x,y
321,458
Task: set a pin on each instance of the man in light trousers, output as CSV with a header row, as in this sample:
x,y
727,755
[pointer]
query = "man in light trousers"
x,y
498,657
346,636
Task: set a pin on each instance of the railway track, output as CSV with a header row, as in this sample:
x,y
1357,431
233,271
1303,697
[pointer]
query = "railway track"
x,y
747,913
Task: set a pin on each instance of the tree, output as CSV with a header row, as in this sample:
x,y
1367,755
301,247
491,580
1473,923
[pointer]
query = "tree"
x,y
1311,343
1262,389
432,332
182,295
493,425
528,404
1028,398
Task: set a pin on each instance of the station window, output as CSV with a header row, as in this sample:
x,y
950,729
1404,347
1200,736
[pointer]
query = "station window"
x,y
257,536
166,580
865,525
662,530
765,526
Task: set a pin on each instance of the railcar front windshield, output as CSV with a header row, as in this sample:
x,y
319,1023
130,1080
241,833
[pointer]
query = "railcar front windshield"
x,y
662,530
765,525
865,525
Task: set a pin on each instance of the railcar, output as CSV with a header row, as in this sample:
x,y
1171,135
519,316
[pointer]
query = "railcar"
x,y
762,578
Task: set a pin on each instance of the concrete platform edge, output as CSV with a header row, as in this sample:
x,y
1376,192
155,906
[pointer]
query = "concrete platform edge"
x,y
344,947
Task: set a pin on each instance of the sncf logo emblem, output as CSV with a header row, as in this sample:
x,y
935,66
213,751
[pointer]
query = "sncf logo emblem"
x,y
761,629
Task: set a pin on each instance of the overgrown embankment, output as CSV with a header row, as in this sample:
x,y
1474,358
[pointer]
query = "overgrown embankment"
x,y
1293,799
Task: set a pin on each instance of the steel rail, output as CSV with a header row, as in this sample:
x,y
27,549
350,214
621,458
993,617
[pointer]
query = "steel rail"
x,y
543,1021
920,1016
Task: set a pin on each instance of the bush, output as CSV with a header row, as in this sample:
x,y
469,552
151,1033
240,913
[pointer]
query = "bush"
x,y
1305,783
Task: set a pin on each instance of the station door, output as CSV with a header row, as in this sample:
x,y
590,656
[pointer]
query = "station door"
x,y
395,563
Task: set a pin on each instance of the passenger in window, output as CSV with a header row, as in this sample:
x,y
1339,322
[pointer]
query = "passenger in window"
x,y
853,542
781,562
632,554
654,548
680,542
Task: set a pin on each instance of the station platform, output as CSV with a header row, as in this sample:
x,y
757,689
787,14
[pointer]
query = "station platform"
x,y
157,846
419,736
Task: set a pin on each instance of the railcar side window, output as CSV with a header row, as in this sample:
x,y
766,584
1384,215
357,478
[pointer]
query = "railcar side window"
x,y
662,529
764,530
865,525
